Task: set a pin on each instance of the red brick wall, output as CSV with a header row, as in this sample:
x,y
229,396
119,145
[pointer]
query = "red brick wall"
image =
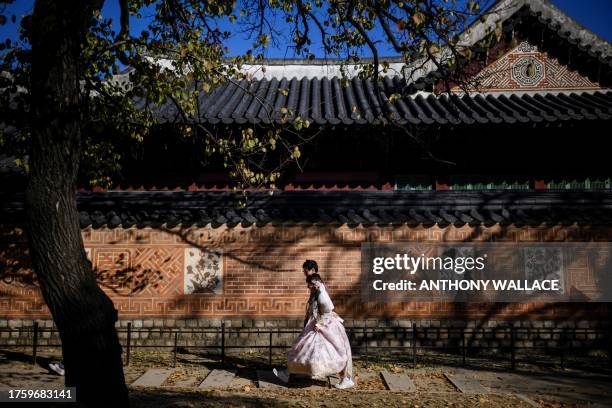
x,y
142,270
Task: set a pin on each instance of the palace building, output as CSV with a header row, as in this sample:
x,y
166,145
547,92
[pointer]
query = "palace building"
x,y
521,158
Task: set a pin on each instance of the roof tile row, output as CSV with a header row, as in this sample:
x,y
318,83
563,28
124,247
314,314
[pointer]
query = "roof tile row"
x,y
326,101
142,209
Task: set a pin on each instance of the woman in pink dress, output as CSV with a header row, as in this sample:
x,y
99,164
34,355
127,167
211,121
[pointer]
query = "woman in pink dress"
x,y
323,348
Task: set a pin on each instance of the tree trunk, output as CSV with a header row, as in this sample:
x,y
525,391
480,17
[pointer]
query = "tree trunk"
x,y
83,313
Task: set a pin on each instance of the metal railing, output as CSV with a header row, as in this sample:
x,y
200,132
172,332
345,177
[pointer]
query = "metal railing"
x,y
416,338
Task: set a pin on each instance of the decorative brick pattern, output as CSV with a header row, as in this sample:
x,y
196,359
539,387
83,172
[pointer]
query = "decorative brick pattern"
x,y
526,67
143,270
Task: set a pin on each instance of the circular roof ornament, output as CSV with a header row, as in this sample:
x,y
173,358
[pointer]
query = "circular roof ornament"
x,y
527,71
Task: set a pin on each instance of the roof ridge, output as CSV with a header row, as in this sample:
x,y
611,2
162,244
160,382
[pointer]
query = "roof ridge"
x,y
577,25
502,10
325,61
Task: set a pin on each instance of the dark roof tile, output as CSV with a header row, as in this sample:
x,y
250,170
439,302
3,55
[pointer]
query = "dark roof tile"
x,y
325,101
444,208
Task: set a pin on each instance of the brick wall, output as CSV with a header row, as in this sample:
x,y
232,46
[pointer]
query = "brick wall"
x,y
143,270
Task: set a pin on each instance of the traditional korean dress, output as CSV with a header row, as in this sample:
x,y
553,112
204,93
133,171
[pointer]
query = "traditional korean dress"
x,y
326,351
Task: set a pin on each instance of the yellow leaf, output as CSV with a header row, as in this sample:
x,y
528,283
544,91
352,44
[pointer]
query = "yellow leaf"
x,y
394,97
418,18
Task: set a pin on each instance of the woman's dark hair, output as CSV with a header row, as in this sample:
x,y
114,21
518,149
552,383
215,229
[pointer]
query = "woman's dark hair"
x,y
310,264
315,277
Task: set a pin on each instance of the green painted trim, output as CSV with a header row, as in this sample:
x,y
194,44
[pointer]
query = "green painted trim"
x,y
413,183
586,184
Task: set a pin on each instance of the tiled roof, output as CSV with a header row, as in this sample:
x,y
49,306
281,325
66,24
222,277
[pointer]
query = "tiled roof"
x,y
553,18
326,102
543,14
543,17
312,90
353,208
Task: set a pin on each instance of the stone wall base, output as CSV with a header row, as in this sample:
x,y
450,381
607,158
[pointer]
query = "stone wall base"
x,y
247,333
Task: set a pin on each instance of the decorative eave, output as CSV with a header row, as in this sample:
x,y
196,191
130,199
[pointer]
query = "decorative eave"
x,y
549,15
530,17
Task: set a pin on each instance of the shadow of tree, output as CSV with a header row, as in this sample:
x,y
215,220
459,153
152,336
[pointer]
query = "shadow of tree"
x,y
280,248
184,398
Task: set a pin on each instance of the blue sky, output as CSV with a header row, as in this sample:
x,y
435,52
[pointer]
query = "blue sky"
x,y
595,15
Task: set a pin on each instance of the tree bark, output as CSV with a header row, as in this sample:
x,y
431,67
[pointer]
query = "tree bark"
x,y
83,313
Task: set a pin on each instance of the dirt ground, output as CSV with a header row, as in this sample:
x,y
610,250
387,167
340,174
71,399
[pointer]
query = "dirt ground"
x,y
326,398
538,381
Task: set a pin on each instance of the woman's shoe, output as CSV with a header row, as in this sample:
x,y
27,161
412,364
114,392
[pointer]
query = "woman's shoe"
x,y
282,375
57,368
345,383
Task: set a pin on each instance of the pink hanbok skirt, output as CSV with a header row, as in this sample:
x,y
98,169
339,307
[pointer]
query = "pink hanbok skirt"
x,y
321,353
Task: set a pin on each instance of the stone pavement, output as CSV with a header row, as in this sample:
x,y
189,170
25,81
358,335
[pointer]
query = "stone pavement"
x,y
219,379
154,377
398,382
29,376
465,382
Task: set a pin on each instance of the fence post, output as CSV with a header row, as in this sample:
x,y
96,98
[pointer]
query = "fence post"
x,y
129,344
512,348
365,339
570,343
610,346
463,345
563,341
35,343
175,347
270,350
223,343
414,340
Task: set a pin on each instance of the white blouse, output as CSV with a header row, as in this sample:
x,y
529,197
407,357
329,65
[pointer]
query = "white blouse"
x,y
325,303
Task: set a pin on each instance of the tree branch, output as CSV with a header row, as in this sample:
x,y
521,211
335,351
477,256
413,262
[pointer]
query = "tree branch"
x,y
124,19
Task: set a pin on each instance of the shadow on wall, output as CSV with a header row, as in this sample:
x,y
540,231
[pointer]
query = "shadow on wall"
x,y
266,263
